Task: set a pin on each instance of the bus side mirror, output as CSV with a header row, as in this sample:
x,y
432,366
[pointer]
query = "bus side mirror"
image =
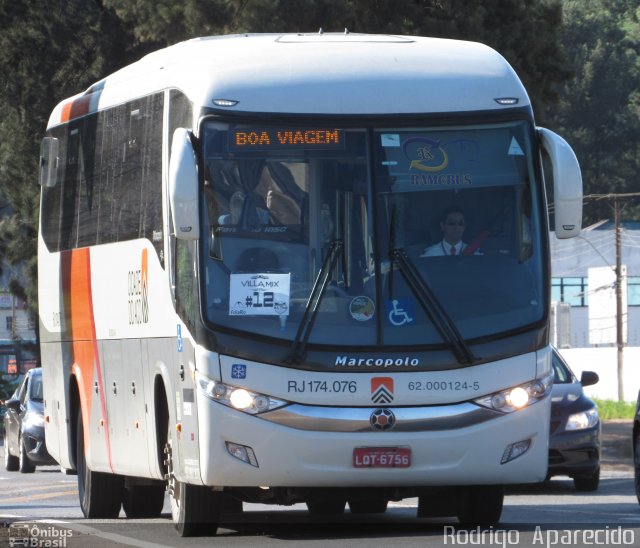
x,y
183,186
49,162
567,184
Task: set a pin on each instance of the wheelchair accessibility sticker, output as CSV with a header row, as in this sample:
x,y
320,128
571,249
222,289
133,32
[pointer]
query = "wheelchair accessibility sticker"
x,y
399,312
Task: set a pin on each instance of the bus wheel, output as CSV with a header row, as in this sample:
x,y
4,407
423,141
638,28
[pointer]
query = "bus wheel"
x,y
100,494
368,506
11,462
481,504
195,509
24,464
143,501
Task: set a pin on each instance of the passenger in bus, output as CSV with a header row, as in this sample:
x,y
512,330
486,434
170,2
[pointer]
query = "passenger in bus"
x,y
254,212
283,209
452,225
235,209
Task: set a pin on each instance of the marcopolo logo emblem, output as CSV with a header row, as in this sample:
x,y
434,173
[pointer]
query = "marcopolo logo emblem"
x,y
382,419
382,390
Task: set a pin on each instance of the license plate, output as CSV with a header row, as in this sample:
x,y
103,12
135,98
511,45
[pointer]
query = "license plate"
x,y
382,457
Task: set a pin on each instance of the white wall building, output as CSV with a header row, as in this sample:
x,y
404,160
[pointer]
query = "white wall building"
x,y
570,264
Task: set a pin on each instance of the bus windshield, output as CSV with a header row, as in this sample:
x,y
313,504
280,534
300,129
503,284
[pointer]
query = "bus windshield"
x,y
372,236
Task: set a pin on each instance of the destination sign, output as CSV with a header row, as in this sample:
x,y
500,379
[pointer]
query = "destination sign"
x,y
269,138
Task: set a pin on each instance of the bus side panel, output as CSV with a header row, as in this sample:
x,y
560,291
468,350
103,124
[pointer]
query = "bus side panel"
x,y
131,305
186,439
125,399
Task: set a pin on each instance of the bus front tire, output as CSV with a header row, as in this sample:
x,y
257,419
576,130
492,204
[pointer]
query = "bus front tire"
x,y
195,509
481,504
100,494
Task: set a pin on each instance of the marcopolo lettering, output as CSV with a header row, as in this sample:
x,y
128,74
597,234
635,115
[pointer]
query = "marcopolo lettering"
x,y
347,361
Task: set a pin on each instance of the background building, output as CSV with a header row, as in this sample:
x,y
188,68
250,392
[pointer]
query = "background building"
x,y
17,333
570,264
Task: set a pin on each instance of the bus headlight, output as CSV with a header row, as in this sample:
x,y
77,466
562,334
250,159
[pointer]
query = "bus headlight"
x,y
517,397
238,398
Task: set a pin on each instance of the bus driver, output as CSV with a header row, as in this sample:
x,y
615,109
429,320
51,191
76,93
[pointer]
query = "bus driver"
x,y
452,225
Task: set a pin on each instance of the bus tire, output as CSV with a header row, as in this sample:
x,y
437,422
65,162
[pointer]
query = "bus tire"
x,y
24,464
100,494
195,509
143,501
11,462
481,504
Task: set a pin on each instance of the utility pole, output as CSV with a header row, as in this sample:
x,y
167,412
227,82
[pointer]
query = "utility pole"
x,y
617,200
619,303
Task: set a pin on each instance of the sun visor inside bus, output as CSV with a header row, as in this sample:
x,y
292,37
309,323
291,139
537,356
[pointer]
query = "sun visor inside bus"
x,y
49,162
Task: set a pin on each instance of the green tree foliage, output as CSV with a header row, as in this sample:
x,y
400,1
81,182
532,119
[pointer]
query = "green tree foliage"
x,y
526,33
48,50
599,109
52,49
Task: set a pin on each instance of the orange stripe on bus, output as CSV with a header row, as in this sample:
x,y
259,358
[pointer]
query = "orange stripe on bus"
x,y
77,290
76,108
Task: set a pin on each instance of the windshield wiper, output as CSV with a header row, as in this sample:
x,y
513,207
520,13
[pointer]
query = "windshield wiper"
x,y
313,304
429,302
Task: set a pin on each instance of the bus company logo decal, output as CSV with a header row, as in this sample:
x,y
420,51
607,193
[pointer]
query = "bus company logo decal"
x,y
350,361
382,419
382,390
425,154
138,292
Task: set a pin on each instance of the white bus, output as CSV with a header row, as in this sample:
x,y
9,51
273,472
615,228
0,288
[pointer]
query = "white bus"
x,y
237,301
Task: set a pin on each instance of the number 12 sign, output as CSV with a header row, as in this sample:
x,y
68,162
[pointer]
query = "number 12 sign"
x,y
260,294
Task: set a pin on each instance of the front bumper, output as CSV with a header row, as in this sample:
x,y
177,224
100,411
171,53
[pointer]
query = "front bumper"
x,y
453,452
33,439
575,454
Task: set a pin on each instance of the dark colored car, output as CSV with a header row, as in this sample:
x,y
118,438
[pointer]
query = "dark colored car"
x,y
574,444
636,447
24,445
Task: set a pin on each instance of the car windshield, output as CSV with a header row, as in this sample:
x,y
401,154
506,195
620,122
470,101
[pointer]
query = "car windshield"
x,y
562,374
345,235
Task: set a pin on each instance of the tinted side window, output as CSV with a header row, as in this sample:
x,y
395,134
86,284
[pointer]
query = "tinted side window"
x,y
109,186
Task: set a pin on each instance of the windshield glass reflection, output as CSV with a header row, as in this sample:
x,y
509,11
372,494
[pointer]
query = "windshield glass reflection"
x,y
458,203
